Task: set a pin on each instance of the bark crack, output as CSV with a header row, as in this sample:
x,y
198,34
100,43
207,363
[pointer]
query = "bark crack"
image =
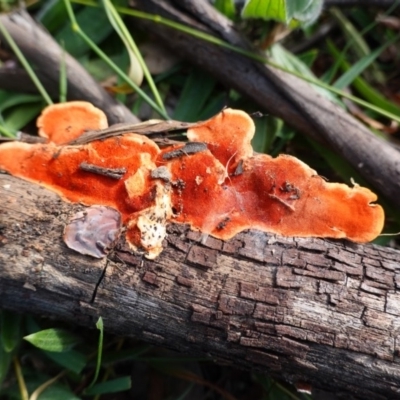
x,y
103,273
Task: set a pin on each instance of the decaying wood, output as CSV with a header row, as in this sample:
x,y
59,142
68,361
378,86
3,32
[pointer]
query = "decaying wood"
x,y
45,53
151,128
309,310
276,92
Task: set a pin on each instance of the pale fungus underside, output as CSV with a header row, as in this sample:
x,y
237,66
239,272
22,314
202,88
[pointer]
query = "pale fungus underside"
x,y
215,182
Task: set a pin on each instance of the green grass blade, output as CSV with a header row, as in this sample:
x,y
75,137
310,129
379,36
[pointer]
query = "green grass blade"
x,y
369,93
25,64
71,360
111,386
197,90
76,28
356,40
331,73
11,99
96,26
126,37
135,69
10,324
267,129
249,54
100,327
361,65
63,77
19,117
5,361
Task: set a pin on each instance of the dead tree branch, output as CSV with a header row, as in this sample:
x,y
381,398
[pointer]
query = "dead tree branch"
x,y
309,310
45,53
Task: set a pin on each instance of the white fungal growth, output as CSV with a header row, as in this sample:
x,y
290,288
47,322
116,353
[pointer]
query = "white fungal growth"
x,y
152,222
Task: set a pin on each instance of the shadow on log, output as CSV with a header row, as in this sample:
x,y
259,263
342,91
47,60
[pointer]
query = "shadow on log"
x,y
308,310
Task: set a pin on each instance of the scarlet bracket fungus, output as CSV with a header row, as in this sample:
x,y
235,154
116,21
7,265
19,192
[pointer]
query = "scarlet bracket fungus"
x,y
215,183
61,123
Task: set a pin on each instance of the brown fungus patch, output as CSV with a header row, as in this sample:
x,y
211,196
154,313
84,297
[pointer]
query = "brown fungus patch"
x,y
93,231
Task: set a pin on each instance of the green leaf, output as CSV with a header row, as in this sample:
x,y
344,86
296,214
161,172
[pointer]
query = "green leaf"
x,y
361,65
213,106
18,117
52,15
197,89
10,330
125,355
267,127
366,90
308,11
57,340
58,392
97,28
11,99
5,360
71,360
290,62
308,57
112,386
226,7
305,11
265,9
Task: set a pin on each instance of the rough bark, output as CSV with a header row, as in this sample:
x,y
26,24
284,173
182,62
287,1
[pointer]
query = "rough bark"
x,y
309,310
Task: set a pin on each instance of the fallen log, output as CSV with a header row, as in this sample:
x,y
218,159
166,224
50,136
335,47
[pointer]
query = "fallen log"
x,y
309,310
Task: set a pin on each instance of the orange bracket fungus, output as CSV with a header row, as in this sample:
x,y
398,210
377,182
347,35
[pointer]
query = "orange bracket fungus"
x,y
215,182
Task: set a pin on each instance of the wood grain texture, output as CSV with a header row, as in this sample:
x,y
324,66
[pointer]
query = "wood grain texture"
x,y
309,310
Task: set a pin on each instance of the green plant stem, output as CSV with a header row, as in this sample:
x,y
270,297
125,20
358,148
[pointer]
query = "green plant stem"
x,y
76,28
132,45
35,395
63,77
5,132
219,42
25,63
109,369
100,327
21,381
351,43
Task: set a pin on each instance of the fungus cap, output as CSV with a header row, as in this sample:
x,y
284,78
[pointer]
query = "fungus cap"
x,y
63,122
228,136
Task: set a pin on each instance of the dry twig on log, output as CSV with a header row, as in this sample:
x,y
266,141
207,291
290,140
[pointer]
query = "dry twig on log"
x,y
312,310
